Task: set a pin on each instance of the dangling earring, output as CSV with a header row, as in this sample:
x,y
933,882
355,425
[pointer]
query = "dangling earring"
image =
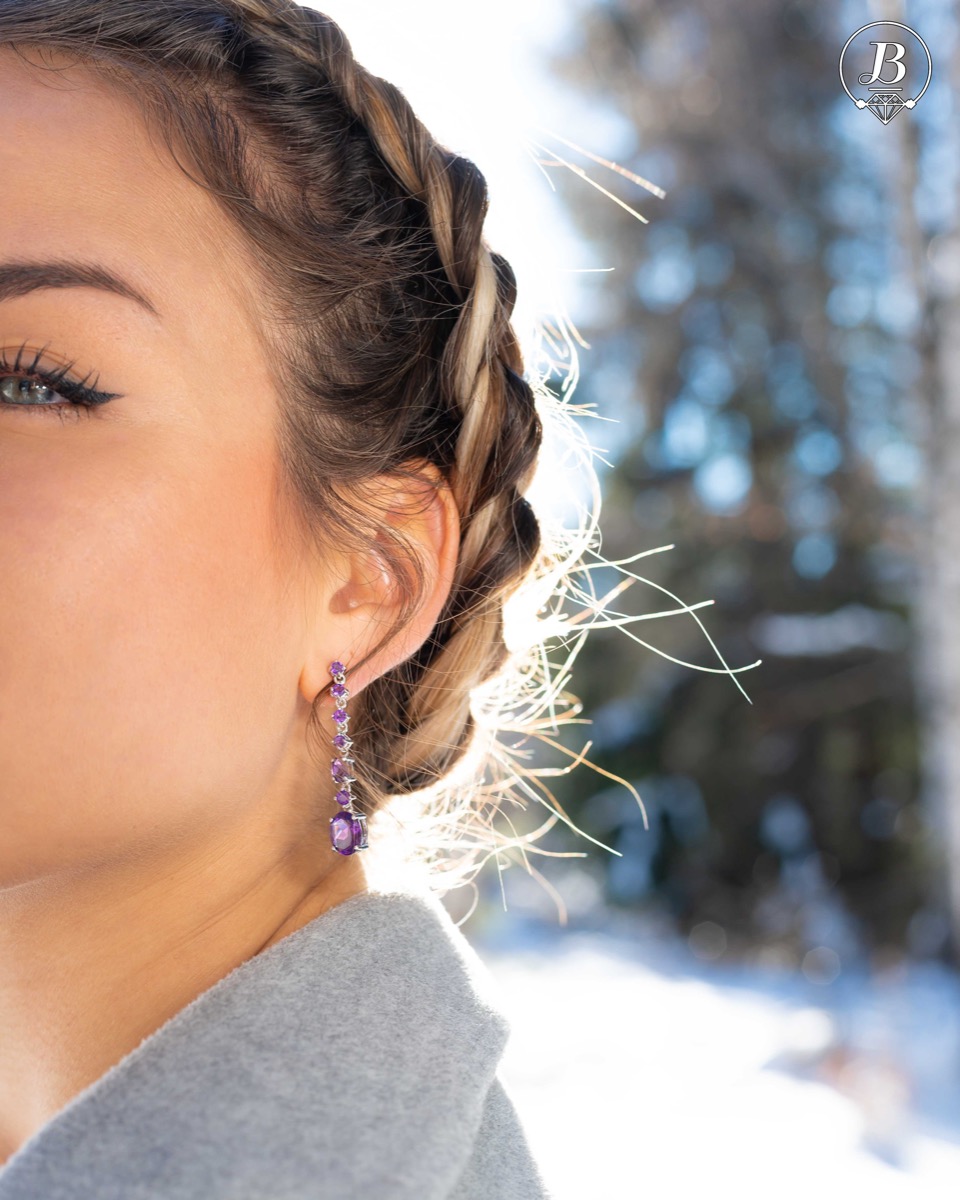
x,y
348,829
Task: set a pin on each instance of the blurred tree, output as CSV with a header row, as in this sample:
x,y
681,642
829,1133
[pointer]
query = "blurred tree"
x,y
757,342
928,232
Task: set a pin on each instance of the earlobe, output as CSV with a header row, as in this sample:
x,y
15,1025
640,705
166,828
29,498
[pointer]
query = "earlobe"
x,y
346,626
360,609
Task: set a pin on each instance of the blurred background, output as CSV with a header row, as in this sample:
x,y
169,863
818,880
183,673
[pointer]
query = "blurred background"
x,y
760,989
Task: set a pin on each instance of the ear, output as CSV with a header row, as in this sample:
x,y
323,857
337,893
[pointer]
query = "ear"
x,y
359,598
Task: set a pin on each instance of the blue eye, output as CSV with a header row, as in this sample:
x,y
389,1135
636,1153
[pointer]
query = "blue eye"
x,y
24,387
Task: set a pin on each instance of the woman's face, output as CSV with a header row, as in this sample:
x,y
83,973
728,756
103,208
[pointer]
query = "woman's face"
x,y
151,639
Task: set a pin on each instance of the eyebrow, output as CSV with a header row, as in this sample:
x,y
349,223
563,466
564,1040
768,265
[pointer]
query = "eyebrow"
x,y
19,277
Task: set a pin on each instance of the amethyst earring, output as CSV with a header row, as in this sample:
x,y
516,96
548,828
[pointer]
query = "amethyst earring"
x,y
348,829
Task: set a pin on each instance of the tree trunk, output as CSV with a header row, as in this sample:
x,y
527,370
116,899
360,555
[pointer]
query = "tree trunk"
x,y
934,265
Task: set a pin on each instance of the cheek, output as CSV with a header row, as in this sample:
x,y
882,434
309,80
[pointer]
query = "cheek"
x,y
148,671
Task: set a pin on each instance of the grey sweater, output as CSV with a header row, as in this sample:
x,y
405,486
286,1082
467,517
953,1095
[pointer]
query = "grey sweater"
x,y
354,1059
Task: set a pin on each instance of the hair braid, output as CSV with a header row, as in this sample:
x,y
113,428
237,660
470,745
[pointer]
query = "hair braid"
x,y
482,353
456,220
395,314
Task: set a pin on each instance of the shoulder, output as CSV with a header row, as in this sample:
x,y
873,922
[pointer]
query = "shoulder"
x,y
360,1050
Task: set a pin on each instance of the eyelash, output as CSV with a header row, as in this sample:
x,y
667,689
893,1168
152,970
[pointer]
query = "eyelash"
x,y
81,400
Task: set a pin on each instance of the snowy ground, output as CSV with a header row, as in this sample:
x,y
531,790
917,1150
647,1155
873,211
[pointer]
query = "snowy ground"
x,y
640,1070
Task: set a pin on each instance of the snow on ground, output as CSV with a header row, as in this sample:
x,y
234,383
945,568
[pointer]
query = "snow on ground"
x,y
640,1070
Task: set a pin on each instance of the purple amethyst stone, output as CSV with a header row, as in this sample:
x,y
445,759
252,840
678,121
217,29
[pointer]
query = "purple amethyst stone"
x,y
340,769
348,832
341,833
339,715
343,797
336,668
338,690
342,742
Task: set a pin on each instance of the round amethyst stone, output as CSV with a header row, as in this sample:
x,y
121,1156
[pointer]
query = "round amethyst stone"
x,y
339,715
343,797
336,668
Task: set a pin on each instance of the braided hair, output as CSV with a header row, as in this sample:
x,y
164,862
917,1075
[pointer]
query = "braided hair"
x,y
387,319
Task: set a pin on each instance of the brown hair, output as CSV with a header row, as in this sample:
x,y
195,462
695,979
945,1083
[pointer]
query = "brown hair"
x,y
387,317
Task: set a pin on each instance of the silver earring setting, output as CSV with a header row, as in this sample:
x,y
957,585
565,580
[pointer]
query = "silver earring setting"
x,y
348,829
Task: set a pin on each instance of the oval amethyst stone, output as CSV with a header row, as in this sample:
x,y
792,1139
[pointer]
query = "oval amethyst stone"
x,y
340,770
348,832
342,833
343,798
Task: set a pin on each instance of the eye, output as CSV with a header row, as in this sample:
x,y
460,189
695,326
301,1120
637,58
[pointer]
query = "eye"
x,y
24,387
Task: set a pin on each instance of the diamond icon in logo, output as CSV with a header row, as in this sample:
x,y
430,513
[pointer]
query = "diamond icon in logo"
x,y
885,105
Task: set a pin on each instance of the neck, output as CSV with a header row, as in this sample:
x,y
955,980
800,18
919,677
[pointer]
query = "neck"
x,y
93,961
